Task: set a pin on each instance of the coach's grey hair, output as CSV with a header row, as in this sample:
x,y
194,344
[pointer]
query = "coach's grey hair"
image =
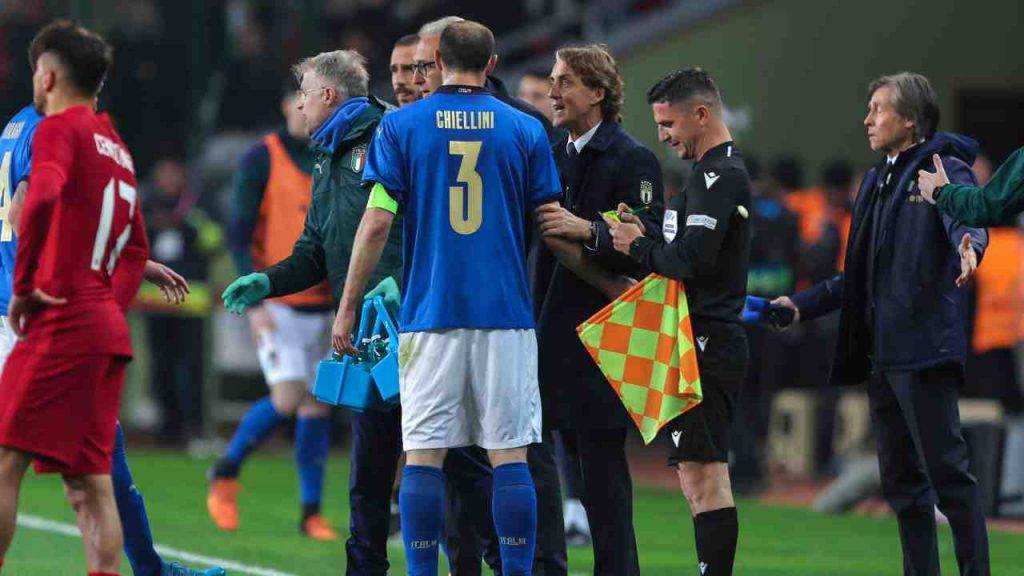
x,y
344,70
436,27
914,99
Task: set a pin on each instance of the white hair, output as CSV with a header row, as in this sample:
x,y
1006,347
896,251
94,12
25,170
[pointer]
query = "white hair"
x,y
344,70
436,27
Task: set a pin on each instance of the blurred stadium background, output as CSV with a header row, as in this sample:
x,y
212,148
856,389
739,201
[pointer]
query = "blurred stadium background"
x,y
196,82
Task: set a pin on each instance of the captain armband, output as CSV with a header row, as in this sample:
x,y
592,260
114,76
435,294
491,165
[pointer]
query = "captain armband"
x,y
379,198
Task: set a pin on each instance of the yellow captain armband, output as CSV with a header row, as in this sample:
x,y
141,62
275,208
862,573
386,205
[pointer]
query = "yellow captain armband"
x,y
379,198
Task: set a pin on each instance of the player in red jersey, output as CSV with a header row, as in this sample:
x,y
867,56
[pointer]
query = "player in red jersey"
x,y
81,254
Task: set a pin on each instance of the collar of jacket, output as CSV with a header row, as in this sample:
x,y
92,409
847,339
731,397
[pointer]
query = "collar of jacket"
x,y
601,139
497,87
945,144
341,125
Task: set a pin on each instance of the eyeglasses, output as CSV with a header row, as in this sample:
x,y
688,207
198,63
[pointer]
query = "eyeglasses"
x,y
423,66
303,94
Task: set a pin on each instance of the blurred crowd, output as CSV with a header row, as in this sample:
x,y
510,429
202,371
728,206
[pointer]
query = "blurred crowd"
x,y
190,94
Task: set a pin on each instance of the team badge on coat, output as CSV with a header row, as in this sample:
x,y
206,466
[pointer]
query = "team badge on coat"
x,y
358,158
646,191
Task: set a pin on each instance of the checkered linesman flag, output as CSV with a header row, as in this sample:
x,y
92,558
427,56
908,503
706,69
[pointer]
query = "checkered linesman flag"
x,y
643,344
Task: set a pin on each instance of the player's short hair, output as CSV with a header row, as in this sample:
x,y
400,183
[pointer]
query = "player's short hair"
x,y
538,73
407,40
85,55
684,85
436,27
345,70
466,46
596,67
913,98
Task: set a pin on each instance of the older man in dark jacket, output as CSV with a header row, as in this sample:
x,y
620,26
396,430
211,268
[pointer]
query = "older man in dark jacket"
x,y
902,323
600,166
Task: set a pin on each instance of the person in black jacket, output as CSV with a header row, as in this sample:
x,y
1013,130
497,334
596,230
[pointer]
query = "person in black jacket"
x,y
600,166
902,323
706,245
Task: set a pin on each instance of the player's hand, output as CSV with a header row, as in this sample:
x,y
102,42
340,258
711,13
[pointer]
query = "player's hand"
x,y
623,234
246,291
260,322
172,284
786,302
21,307
968,261
928,181
557,221
388,290
627,216
341,332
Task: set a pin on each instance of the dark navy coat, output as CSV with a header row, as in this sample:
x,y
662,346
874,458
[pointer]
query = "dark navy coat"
x,y
613,167
919,314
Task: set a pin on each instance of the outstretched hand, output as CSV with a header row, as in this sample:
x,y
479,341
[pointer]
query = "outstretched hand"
x,y
173,285
927,182
968,261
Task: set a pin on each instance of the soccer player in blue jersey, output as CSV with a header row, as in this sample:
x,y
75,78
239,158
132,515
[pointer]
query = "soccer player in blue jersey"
x,y
15,166
465,170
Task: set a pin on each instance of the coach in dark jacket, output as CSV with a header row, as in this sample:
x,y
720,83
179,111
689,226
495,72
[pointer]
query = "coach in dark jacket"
x,y
902,323
600,166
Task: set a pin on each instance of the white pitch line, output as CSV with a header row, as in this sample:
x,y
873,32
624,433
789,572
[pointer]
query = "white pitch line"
x,y
64,529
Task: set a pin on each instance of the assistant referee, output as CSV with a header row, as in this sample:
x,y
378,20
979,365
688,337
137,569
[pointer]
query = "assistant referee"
x,y
707,246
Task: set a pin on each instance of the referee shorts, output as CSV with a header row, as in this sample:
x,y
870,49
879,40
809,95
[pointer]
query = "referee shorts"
x,y
702,434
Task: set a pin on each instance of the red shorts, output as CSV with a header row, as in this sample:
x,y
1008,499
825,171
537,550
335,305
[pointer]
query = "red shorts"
x,y
62,410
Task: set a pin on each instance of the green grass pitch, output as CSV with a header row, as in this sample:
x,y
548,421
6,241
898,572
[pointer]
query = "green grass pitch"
x,y
774,541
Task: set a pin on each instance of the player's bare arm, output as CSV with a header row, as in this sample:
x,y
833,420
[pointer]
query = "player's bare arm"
x,y
371,237
570,255
14,215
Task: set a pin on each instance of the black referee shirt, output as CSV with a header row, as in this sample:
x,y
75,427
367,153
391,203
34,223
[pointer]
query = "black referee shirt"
x,y
707,237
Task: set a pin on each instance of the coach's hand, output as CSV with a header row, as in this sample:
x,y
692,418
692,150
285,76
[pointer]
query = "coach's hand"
x,y
557,221
928,181
389,292
968,261
627,216
786,302
21,307
341,332
172,284
623,234
245,292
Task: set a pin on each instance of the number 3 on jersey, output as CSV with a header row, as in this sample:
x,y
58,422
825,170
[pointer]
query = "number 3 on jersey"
x,y
466,201
125,192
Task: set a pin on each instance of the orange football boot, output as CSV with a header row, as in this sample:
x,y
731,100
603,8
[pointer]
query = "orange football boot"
x,y
317,528
222,503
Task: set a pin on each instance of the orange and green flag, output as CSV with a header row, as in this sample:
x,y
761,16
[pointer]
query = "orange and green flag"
x,y
643,343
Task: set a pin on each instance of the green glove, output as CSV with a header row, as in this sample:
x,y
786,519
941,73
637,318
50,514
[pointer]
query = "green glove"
x,y
388,290
245,292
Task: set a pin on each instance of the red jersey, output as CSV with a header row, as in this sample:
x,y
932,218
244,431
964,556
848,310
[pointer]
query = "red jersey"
x,y
81,236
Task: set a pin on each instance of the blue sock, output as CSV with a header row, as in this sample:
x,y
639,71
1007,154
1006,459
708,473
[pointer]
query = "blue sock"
x,y
257,424
421,500
514,506
138,541
312,442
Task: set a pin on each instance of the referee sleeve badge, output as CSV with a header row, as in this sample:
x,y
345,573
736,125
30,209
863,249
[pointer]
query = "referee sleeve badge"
x,y
643,344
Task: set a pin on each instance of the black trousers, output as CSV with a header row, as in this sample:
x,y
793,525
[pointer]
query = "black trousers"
x,y
176,373
923,459
607,495
376,447
469,525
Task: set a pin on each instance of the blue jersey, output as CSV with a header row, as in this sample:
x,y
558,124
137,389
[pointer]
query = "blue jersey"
x,y
15,162
466,170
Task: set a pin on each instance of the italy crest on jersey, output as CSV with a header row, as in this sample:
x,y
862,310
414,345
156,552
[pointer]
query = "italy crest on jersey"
x,y
358,158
